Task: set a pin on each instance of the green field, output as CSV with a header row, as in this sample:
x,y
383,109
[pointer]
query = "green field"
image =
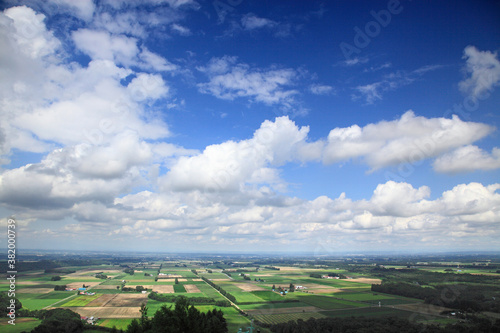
x,y
268,295
286,317
329,303
369,312
115,322
82,300
21,325
39,301
179,288
270,306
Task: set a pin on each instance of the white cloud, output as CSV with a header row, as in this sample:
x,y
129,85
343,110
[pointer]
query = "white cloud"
x,y
467,159
399,199
83,9
122,50
47,101
152,61
198,216
181,30
319,89
471,199
252,22
179,3
120,23
29,32
408,139
355,61
371,92
84,173
230,166
484,70
230,80
101,45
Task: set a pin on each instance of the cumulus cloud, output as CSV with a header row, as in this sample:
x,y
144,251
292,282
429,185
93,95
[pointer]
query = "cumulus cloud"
x,y
230,80
483,68
466,159
47,101
28,30
102,45
408,139
230,165
384,218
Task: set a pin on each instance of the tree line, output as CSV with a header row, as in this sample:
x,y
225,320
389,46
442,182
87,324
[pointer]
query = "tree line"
x,y
192,300
183,318
466,297
381,325
222,291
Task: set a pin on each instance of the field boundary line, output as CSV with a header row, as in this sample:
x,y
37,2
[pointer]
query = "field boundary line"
x,y
232,303
59,301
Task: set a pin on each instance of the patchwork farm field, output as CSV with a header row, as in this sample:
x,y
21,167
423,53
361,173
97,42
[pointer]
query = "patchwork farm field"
x,y
268,294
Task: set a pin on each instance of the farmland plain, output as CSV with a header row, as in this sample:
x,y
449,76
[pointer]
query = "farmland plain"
x,y
246,290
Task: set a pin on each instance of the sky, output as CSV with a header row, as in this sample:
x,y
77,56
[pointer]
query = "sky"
x,y
250,126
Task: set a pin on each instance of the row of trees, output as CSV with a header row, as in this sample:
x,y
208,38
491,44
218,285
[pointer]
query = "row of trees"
x,y
222,291
272,268
386,325
423,277
137,288
192,300
464,297
182,318
320,276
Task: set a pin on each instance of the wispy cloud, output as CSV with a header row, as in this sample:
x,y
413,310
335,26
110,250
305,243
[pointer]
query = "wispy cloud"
x,y
181,30
355,61
373,92
321,89
252,22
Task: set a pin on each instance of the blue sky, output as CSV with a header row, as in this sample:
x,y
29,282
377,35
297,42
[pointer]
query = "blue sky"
x,y
182,125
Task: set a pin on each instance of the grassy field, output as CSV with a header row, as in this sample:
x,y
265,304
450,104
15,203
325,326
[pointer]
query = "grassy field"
x,y
39,301
268,295
22,325
286,317
329,303
271,306
369,312
116,322
179,288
